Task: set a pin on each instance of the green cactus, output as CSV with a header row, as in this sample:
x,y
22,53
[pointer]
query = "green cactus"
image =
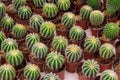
x,y
85,12
68,19
47,29
106,51
96,18
8,44
39,3
111,30
19,3
24,12
90,68
59,43
14,57
2,9
35,22
55,60
19,30
95,4
40,50
7,72
31,39
31,72
2,37
50,10
76,33
73,53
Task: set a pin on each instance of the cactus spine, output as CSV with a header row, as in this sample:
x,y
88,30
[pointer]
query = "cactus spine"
x,y
19,3
2,37
39,3
2,9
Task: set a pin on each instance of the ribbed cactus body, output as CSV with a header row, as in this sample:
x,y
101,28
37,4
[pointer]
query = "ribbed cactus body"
x,y
2,10
2,37
95,4
19,3
51,76
39,3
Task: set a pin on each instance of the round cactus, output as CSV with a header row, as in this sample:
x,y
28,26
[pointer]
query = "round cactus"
x,y
85,12
76,33
92,44
35,22
111,30
39,3
55,60
2,37
19,3
106,51
95,4
2,9
14,57
59,43
19,30
90,68
50,10
40,50
68,19
8,44
63,5
32,72
24,12
47,29
73,53
7,72
96,17
31,39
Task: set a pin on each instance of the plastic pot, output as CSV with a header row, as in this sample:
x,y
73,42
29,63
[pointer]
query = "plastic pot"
x,y
117,44
83,24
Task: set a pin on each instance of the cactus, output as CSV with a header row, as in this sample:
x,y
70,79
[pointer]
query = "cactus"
x,y
108,75
85,12
7,72
31,39
35,22
106,51
8,44
73,53
90,68
19,30
96,18
32,72
59,43
76,33
7,23
92,44
111,30
39,3
40,50
24,12
55,60
68,19
2,9
2,37
47,29
50,10
19,3
14,57
95,4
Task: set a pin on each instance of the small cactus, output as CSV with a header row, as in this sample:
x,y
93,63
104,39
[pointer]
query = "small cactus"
x,y
2,37
19,3
2,9
39,3
95,4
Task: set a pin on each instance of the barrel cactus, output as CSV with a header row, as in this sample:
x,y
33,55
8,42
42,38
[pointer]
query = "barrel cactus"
x,y
7,72
90,68
55,60
59,43
68,19
47,29
2,9
95,4
111,30
19,3
92,44
31,72
39,3
40,50
2,37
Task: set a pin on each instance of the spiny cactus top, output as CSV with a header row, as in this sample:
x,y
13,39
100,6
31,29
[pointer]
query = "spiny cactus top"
x,y
108,75
8,44
85,12
73,53
31,72
19,3
76,33
111,30
50,10
90,68
92,44
2,9
47,29
19,30
68,19
7,72
2,37
59,43
95,4
106,51
39,3
40,50
55,60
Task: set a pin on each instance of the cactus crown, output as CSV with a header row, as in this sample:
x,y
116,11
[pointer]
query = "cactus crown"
x,y
90,68
55,60
2,9
73,53
19,3
32,72
95,4
2,37
39,3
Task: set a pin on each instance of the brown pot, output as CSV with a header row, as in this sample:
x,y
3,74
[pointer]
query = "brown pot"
x,y
83,24
88,55
95,31
97,78
2,59
117,44
7,2
35,9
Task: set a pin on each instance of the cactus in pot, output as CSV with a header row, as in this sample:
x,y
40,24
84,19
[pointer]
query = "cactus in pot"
x,y
2,9
95,4
19,3
39,3
2,37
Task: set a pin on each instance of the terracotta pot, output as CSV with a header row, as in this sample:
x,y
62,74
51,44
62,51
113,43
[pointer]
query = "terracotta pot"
x,y
35,9
83,24
83,77
2,59
104,3
26,55
117,44
95,31
7,2
97,78
61,32
88,55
